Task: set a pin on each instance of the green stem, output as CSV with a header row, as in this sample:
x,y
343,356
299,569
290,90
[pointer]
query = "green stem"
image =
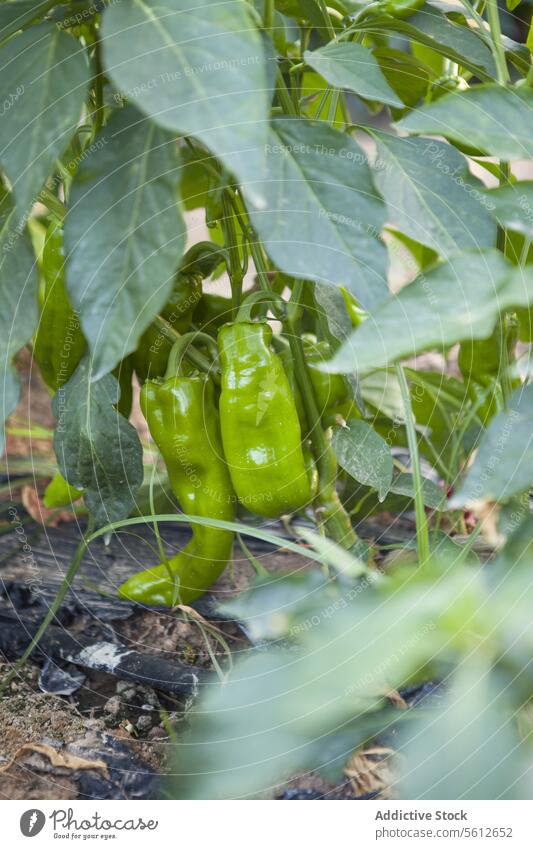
x,y
180,348
329,510
53,203
496,33
235,269
501,243
327,20
245,310
268,17
98,117
284,96
422,530
195,357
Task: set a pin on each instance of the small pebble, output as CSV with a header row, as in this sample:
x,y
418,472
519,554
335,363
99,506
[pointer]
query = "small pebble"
x,y
113,705
157,733
143,723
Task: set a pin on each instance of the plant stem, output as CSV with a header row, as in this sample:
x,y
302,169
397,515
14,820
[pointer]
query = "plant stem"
x,y
230,238
284,96
327,20
53,203
195,357
268,18
422,531
330,512
496,33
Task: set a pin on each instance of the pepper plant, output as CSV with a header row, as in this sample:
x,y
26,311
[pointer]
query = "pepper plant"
x,y
326,146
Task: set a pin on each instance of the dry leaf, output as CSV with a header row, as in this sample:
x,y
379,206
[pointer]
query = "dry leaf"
x,y
59,759
39,513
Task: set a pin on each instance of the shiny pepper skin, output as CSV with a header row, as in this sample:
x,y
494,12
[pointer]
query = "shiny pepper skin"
x,y
183,420
260,428
154,347
59,343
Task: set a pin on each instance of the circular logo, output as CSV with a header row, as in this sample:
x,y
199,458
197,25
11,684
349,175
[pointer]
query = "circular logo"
x,y
32,822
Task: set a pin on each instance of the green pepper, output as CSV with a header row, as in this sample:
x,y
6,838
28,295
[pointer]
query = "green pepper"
x,y
151,356
59,343
59,493
212,312
184,423
332,391
124,374
261,431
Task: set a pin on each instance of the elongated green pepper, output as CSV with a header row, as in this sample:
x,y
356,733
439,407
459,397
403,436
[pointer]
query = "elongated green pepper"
x,y
261,431
183,420
330,394
59,343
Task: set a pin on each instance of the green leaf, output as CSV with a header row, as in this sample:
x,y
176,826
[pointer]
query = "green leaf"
x,y
511,205
469,749
503,465
197,69
432,495
362,453
45,77
18,302
433,29
351,66
404,73
323,216
491,118
124,234
332,305
263,723
96,448
431,195
16,14
437,310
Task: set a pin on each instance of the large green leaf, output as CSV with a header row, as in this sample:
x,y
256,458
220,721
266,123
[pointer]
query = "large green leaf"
x,y
18,302
263,723
433,29
124,234
512,206
195,68
466,749
431,195
364,454
323,216
351,66
16,14
503,465
459,299
491,118
97,449
45,77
